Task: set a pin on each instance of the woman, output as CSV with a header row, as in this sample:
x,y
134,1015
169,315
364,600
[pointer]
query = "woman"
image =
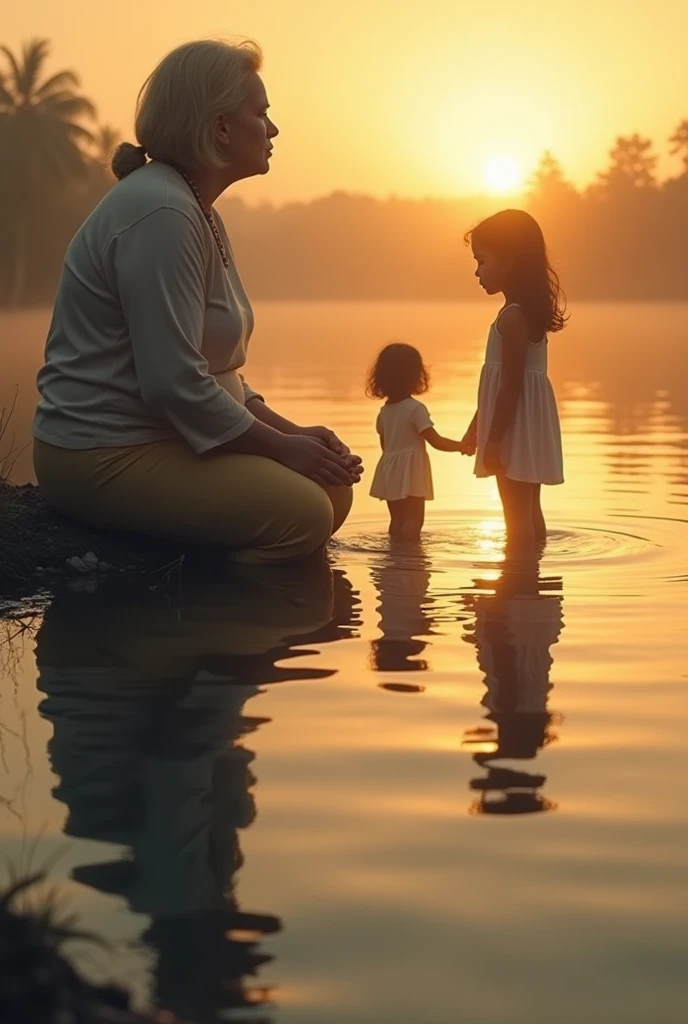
x,y
144,422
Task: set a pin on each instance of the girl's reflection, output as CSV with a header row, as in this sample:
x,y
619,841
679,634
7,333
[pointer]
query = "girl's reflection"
x,y
147,700
402,580
514,628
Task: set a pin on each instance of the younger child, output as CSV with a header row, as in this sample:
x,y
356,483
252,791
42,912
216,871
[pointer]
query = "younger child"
x,y
403,477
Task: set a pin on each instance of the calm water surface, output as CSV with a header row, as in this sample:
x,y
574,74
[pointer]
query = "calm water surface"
x,y
422,785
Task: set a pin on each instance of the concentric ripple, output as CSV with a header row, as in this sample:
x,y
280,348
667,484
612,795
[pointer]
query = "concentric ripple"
x,y
613,555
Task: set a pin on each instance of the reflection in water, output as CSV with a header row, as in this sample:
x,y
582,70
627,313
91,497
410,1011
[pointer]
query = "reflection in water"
x,y
147,701
402,580
514,628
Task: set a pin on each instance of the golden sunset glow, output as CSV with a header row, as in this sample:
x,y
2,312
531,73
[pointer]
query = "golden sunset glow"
x,y
418,109
503,174
490,541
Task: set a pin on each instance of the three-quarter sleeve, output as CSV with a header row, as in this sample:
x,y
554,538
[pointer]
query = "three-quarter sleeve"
x,y
249,393
160,266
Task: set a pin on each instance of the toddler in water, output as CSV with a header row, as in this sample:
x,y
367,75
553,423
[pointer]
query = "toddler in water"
x,y
515,431
403,477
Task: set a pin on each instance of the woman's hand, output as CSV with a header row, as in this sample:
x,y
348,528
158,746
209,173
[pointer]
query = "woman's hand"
x,y
492,457
328,438
325,435
314,459
354,464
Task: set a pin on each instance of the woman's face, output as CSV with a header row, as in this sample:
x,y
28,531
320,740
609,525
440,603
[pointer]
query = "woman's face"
x,y
245,137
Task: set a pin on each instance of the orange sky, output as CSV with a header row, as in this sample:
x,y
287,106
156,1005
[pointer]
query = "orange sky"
x,y
400,96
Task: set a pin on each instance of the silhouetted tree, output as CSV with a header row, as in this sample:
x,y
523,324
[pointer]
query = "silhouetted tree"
x,y
548,185
624,237
43,141
555,203
679,144
632,165
106,141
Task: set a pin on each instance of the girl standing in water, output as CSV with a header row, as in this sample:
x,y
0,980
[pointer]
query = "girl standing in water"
x,y
403,477
515,432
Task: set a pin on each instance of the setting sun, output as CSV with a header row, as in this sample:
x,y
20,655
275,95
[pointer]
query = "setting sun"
x,y
502,174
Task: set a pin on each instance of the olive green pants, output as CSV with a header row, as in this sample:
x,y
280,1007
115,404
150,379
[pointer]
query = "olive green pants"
x,y
255,508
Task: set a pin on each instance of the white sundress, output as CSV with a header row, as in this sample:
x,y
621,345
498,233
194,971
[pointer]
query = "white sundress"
x,y
404,468
531,449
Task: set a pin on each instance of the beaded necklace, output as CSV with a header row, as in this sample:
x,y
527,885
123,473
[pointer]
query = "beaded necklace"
x,y
206,213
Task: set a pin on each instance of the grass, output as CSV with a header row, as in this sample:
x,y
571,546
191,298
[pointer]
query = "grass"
x,y
14,564
37,981
9,449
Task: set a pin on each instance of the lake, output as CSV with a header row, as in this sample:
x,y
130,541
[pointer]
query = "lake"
x,y
422,785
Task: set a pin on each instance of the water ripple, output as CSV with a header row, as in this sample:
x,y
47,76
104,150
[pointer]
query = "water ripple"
x,y
623,551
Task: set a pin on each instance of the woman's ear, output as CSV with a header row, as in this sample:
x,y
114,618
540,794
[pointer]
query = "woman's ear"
x,y
222,131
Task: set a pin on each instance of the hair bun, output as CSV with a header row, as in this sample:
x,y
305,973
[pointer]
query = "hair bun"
x,y
127,158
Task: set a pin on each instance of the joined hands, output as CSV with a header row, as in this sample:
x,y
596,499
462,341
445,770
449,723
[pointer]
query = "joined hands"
x,y
351,464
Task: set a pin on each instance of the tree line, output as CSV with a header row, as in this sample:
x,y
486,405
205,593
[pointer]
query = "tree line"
x,y
624,237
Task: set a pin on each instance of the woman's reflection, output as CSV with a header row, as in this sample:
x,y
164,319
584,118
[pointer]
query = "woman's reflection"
x,y
147,700
514,628
401,581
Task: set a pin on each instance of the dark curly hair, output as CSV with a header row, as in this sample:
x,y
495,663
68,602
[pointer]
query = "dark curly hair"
x,y
398,372
517,238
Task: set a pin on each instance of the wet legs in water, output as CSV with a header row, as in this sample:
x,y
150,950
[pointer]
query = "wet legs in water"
x,y
406,518
539,524
525,523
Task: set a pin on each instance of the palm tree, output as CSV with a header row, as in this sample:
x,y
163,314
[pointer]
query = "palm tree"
x,y
679,144
42,141
107,139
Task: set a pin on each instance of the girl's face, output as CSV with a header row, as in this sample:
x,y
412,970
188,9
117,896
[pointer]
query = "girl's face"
x,y
490,270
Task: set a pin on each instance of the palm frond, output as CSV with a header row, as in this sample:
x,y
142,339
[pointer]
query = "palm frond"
x,y
6,99
63,81
107,139
78,134
63,151
67,105
35,54
15,69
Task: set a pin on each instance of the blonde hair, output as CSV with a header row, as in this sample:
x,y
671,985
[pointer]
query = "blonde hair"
x,y
179,101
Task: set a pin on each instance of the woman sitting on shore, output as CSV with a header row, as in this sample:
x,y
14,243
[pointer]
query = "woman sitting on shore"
x,y
145,423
